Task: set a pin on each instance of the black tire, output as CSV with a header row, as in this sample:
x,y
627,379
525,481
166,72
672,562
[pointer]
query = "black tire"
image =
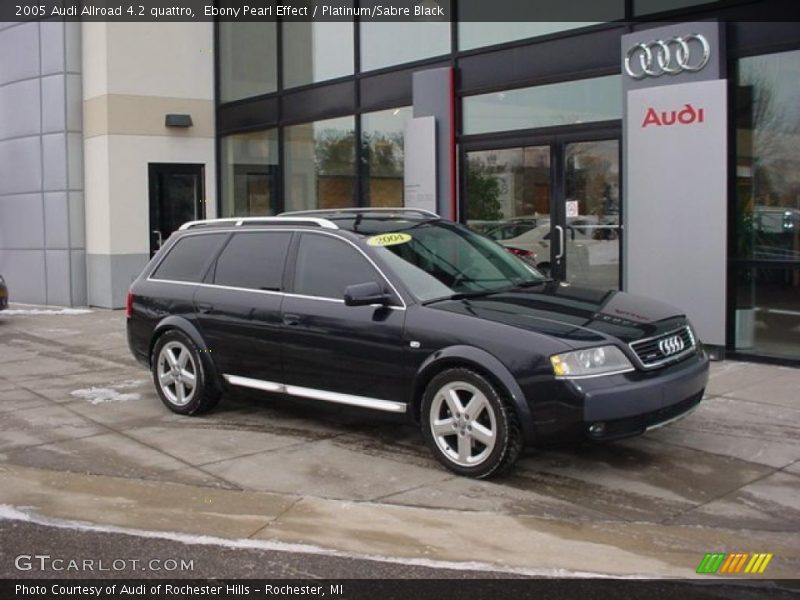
x,y
175,347
469,450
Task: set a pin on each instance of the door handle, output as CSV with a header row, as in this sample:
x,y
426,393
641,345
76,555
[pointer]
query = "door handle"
x,y
204,307
291,320
560,254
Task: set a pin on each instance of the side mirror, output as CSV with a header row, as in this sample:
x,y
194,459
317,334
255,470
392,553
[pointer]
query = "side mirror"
x,y
364,294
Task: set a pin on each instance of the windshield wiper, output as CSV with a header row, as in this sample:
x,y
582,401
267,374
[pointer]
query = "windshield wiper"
x,y
465,295
531,283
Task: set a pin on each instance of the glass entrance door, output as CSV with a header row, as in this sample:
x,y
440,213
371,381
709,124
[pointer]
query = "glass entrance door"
x,y
588,250
176,196
554,205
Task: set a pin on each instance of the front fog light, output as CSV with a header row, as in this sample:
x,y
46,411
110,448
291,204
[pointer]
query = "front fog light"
x,y
592,361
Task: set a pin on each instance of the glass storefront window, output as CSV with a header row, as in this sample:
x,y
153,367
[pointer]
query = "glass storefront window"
x,y
416,40
249,172
568,103
247,59
767,210
382,145
320,169
316,51
476,34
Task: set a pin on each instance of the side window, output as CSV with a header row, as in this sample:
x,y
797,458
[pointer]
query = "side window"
x,y
325,266
253,260
188,257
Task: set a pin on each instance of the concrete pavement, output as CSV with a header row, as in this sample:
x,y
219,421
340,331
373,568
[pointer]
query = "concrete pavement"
x,y
83,436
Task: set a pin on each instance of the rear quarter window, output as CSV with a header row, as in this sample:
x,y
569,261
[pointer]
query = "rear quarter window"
x,y
189,258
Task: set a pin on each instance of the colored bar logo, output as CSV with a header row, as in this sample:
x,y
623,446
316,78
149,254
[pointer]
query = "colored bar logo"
x,y
721,563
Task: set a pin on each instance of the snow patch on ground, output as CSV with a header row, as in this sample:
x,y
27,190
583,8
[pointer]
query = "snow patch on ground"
x,y
11,513
111,393
46,311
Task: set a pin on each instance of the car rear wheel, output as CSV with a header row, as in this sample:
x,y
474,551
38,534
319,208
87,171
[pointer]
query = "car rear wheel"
x,y
180,376
468,425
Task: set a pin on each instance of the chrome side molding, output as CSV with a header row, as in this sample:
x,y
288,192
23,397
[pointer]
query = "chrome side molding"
x,y
324,395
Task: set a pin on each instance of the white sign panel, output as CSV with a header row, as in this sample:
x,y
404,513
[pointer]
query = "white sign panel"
x,y
676,207
572,208
420,163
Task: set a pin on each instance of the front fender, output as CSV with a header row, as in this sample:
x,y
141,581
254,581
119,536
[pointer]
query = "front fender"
x,y
483,362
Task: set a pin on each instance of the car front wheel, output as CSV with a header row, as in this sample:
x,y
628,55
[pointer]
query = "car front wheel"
x,y
468,426
180,377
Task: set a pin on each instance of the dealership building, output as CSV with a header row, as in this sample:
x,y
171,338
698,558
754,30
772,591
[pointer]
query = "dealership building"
x,y
660,157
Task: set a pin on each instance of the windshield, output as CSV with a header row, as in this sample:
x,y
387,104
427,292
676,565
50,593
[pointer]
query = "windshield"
x,y
437,260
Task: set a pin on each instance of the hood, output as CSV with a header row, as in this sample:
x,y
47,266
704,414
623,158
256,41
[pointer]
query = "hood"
x,y
578,316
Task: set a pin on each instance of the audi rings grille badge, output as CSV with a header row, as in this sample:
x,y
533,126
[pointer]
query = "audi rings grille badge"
x,y
672,56
671,345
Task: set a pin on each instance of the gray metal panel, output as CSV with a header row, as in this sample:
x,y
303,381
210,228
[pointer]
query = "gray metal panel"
x,y
21,42
19,109
676,207
58,277
21,222
54,161
23,270
78,277
77,225
53,100
433,97
75,161
72,41
714,69
52,45
20,165
74,99
419,163
56,219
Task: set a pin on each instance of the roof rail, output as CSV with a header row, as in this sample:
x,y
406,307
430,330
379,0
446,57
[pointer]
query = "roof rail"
x,y
365,209
279,220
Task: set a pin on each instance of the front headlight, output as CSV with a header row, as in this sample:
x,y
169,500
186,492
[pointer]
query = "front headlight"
x,y
604,360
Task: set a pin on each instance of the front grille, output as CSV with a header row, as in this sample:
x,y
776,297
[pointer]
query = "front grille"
x,y
665,348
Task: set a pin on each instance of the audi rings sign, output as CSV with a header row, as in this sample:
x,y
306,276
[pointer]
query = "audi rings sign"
x,y
671,56
675,167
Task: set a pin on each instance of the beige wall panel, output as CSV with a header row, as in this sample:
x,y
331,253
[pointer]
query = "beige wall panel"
x,y
174,60
97,207
94,59
129,195
144,115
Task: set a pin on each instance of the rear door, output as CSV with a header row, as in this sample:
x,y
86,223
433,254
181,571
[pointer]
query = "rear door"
x,y
239,305
352,350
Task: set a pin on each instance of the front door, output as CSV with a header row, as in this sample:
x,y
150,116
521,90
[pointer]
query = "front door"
x,y
176,196
554,204
355,351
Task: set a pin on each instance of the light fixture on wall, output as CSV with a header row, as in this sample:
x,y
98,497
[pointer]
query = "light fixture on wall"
x,y
178,121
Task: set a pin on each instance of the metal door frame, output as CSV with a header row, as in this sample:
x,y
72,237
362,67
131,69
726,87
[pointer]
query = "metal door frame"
x,y
556,138
154,171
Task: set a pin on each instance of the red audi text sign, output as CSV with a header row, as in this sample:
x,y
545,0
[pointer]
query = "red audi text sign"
x,y
688,115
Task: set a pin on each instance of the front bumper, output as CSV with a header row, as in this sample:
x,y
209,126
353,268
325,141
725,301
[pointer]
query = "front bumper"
x,y
617,405
630,404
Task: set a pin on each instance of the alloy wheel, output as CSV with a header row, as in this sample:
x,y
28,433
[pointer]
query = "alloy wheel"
x,y
177,373
463,423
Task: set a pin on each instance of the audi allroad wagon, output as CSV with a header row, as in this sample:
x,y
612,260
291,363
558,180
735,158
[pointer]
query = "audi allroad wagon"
x,y
404,312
